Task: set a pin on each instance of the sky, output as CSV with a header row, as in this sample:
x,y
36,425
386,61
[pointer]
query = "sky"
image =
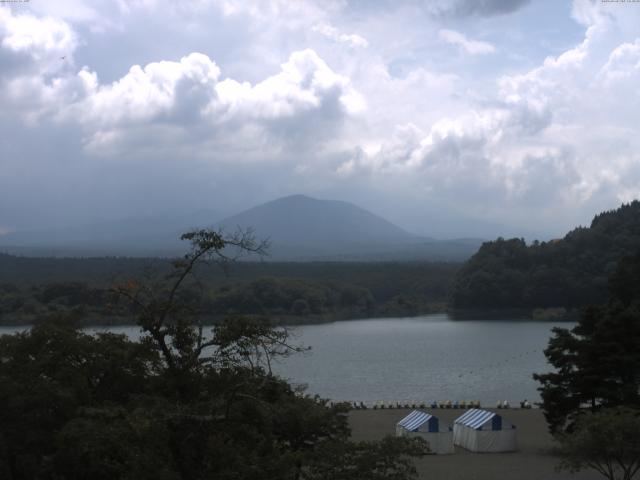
x,y
447,117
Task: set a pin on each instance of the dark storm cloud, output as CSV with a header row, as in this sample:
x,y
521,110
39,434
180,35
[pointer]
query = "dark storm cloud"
x,y
464,8
447,8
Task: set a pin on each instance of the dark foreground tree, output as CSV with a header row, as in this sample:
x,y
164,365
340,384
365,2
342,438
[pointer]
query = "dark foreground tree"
x,y
607,441
179,404
388,459
597,363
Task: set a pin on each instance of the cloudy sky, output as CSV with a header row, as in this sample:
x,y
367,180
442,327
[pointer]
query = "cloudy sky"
x,y
445,116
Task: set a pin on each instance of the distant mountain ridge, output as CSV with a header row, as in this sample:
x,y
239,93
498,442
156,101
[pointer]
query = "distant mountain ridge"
x,y
127,237
299,228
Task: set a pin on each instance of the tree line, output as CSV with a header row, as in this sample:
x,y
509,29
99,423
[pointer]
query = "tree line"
x,y
591,399
287,292
571,272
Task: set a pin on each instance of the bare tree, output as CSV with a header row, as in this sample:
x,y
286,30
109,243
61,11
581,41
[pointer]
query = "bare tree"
x,y
168,311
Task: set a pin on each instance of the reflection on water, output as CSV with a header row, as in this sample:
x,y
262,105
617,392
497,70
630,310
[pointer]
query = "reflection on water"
x,y
415,359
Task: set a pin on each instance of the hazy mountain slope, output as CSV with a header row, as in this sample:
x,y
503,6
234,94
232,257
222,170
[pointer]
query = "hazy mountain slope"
x,y
129,237
304,228
301,220
299,228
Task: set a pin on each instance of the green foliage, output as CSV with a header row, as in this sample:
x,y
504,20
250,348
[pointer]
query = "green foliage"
x,y
607,442
180,404
110,442
571,272
287,292
597,363
285,296
50,372
389,459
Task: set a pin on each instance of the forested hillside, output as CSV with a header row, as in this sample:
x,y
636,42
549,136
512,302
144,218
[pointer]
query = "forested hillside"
x,y
569,272
33,288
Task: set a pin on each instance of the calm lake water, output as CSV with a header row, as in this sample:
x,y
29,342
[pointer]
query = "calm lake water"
x,y
416,359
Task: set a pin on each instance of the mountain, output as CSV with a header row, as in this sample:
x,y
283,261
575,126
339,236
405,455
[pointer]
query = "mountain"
x,y
302,220
570,272
304,228
298,227
140,237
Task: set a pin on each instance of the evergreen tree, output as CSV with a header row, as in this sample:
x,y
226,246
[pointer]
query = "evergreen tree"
x,y
598,361
570,272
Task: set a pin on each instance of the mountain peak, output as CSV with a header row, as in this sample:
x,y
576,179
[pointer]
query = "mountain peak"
x,y
304,221
296,197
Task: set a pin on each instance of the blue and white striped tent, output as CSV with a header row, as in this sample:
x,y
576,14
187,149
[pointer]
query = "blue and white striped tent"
x,y
484,431
421,424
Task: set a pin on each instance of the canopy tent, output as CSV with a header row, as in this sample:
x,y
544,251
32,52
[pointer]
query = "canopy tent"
x,y
426,426
483,431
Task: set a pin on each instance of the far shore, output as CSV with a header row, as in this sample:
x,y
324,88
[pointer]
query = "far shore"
x,y
534,459
559,314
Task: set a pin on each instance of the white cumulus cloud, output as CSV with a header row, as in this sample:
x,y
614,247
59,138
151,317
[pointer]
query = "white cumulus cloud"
x,y
332,33
191,104
472,47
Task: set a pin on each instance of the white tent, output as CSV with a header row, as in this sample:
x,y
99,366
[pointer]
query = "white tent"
x,y
484,431
421,424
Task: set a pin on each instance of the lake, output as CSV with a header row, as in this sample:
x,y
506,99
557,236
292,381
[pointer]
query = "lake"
x,y
424,358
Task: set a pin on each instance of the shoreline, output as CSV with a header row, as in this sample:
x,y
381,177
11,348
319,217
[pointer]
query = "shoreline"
x,y
533,460
275,320
550,314
507,315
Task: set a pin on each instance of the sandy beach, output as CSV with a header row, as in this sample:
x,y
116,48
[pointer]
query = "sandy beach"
x,y
532,461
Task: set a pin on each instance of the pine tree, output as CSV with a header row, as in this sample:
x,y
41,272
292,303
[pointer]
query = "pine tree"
x,y
597,363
